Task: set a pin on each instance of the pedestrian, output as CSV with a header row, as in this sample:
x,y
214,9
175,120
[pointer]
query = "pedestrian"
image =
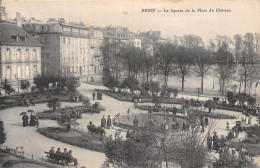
x,y
202,124
214,140
128,134
209,141
227,125
116,119
128,111
25,120
250,120
108,122
135,122
206,121
94,95
222,141
103,122
37,122
98,96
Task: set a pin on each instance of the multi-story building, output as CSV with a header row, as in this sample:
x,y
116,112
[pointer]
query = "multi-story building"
x,y
20,53
150,39
68,49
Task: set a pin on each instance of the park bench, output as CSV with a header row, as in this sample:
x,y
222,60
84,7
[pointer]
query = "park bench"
x,y
65,159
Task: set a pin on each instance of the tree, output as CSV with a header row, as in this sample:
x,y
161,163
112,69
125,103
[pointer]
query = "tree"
x,y
203,62
25,84
131,83
184,62
225,65
247,61
41,82
231,98
114,55
7,87
2,133
53,102
111,82
67,119
152,86
166,54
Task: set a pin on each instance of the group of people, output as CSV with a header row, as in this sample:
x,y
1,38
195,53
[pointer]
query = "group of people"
x,y
32,121
106,123
65,153
99,95
214,142
246,120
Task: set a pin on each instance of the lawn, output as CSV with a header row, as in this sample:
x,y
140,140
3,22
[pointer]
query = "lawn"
x,y
210,115
74,137
128,97
15,100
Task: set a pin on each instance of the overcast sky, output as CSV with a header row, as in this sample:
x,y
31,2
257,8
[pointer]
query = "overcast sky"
x,y
244,16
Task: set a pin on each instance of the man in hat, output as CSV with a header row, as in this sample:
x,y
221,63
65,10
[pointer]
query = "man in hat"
x,y
135,122
103,122
94,95
108,122
51,150
58,152
214,140
65,152
209,141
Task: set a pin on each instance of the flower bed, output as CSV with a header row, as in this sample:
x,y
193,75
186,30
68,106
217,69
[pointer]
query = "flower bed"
x,y
84,140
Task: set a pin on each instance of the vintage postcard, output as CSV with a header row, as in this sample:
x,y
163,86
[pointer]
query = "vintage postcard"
x,y
129,83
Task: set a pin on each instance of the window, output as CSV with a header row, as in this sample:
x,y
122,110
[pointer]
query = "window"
x,y
8,54
8,72
34,70
35,54
19,72
27,72
18,54
27,54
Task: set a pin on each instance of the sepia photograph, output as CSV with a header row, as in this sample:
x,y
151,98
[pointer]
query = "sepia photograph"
x,y
129,83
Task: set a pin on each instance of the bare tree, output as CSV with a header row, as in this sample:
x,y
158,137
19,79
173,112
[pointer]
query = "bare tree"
x,y
165,54
203,62
184,61
225,64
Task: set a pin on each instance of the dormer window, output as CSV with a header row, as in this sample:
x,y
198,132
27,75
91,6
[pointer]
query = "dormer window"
x,y
23,38
15,37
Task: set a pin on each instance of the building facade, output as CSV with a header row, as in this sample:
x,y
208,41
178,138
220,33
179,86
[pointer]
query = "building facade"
x,y
20,54
68,49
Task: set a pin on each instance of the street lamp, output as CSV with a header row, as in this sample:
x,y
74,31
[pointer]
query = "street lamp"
x,y
18,85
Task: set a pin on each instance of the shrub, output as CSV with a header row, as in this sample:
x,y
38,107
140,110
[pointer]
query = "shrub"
x,y
111,83
131,83
2,133
7,87
53,103
25,84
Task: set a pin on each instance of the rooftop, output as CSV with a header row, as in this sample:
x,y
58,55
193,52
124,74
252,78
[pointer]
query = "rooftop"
x,y
11,34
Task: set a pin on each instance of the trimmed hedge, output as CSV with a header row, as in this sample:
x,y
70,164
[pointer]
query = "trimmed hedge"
x,y
85,140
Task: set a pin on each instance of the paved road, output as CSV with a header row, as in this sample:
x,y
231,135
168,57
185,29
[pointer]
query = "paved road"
x,y
35,143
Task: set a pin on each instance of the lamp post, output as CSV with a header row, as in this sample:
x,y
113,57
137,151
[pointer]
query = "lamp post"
x,y
18,85
225,93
